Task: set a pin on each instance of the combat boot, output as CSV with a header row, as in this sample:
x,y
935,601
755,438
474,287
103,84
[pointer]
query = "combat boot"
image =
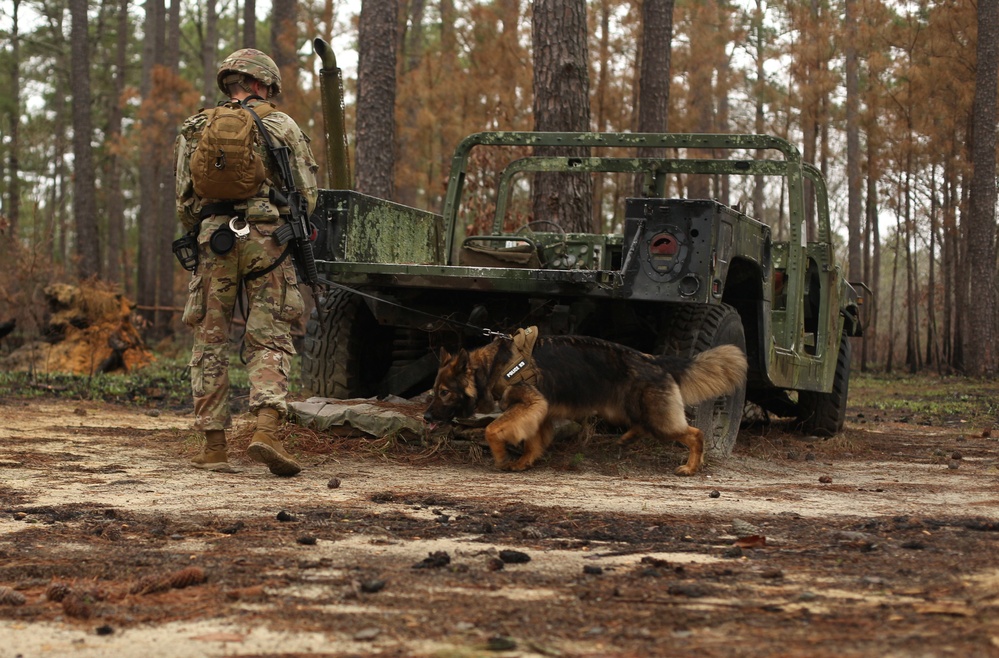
x,y
267,449
213,456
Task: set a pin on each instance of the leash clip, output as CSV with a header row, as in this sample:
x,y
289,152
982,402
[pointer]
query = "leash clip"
x,y
489,333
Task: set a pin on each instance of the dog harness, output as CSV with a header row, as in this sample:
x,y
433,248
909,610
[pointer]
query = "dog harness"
x,y
521,367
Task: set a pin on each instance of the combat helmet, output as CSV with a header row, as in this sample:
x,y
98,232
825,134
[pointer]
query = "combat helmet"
x,y
253,63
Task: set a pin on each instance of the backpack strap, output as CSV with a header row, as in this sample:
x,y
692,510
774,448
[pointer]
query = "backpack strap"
x,y
261,110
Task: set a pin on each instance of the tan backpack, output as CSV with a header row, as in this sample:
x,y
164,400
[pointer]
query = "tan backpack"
x,y
224,164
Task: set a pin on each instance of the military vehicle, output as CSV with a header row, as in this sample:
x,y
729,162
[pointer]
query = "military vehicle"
x,y
679,276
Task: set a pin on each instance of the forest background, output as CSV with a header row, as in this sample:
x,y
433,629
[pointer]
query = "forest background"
x,y
894,101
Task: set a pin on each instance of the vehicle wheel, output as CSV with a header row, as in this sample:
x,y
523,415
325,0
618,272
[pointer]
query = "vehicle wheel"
x,y
345,353
692,329
823,414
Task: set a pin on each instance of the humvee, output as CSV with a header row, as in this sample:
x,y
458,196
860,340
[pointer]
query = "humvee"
x,y
677,275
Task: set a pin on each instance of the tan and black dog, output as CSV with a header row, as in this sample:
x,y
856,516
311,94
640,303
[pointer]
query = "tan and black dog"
x,y
577,377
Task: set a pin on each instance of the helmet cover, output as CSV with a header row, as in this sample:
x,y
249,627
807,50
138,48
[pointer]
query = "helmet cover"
x,y
253,63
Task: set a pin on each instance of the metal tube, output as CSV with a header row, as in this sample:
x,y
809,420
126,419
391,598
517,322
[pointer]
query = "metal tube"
x,y
331,91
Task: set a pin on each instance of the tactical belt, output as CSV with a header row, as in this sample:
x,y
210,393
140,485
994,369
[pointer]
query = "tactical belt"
x,y
221,208
227,209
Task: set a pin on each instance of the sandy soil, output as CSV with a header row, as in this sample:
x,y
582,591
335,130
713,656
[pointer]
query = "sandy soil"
x,y
880,542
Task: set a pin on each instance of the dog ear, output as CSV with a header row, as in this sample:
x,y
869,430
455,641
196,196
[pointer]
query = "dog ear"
x,y
461,360
445,356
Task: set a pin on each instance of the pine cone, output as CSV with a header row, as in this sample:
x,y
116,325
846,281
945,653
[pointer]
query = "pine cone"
x,y
188,577
111,532
57,591
150,585
78,605
9,596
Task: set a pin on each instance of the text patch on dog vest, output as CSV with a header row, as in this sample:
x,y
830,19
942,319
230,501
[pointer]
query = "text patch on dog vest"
x,y
515,369
521,367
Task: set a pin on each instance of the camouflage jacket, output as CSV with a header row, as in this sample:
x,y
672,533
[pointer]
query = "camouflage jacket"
x,y
259,208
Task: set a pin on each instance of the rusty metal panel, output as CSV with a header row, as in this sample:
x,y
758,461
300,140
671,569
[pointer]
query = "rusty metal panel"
x,y
362,229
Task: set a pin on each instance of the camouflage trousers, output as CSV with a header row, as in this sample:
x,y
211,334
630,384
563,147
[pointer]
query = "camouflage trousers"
x,y
274,303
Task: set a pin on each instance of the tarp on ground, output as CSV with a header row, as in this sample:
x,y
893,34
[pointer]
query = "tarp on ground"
x,y
372,416
390,416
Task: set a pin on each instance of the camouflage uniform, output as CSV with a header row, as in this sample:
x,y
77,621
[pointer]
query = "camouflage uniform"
x,y
274,299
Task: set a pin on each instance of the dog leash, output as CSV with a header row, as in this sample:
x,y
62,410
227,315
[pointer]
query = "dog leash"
x,y
482,331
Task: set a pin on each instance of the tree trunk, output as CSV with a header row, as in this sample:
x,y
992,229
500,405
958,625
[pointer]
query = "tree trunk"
x,y
88,247
561,103
209,54
166,209
653,82
854,237
59,217
449,130
890,358
701,76
249,24
171,56
13,206
911,276
657,37
284,45
415,37
980,340
870,217
758,44
601,100
116,264
949,255
149,187
408,144
723,73
930,359
376,92
871,350
963,272
811,102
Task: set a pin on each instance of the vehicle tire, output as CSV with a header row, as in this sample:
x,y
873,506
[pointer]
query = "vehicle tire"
x,y
344,353
694,328
823,414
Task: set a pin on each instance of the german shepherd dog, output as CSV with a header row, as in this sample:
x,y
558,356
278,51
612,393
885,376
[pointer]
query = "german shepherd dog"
x,y
578,377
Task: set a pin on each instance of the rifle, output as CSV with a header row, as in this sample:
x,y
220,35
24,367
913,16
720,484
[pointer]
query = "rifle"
x,y
298,228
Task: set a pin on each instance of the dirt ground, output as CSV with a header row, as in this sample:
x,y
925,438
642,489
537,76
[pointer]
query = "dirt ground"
x,y
882,541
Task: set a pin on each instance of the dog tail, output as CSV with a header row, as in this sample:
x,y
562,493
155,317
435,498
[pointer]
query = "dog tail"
x,y
713,373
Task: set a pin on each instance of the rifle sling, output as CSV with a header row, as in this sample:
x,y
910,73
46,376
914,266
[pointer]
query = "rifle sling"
x,y
288,185
280,155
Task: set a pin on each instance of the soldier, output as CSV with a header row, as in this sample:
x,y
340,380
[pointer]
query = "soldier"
x,y
237,252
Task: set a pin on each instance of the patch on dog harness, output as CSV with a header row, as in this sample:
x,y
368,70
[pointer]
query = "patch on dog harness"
x,y
521,367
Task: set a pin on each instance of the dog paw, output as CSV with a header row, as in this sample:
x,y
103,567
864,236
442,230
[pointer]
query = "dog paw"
x,y
686,470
